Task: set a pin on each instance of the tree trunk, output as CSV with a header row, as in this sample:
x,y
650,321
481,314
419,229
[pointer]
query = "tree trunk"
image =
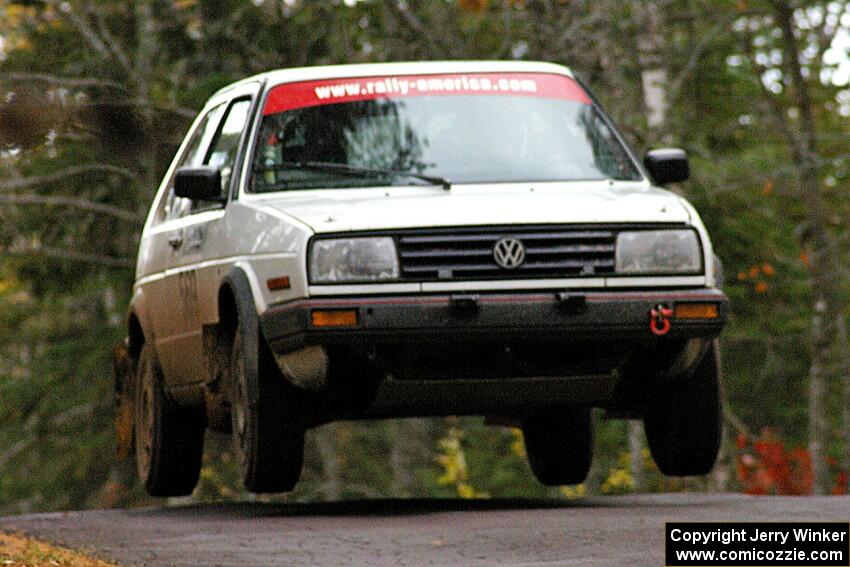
x,y
655,83
407,450
328,456
822,252
146,40
636,454
653,73
844,366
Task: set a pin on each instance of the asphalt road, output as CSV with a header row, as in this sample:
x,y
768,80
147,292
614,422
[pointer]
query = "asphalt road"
x,y
627,530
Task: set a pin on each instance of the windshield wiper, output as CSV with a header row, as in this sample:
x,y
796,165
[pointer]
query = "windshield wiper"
x,y
354,170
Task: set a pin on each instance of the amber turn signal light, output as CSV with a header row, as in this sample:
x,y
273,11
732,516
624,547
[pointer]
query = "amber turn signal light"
x,y
276,284
334,318
696,311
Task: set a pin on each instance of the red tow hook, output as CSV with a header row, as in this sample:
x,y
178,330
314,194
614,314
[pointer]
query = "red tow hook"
x,y
659,320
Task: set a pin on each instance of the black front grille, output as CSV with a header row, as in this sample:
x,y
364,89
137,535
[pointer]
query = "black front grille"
x,y
468,254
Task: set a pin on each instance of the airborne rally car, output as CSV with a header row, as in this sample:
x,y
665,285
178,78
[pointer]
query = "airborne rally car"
x,y
423,239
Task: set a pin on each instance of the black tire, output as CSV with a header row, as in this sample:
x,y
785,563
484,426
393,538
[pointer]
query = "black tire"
x,y
169,439
684,419
270,450
559,446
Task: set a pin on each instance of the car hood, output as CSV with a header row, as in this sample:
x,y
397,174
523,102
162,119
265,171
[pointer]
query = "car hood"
x,y
476,205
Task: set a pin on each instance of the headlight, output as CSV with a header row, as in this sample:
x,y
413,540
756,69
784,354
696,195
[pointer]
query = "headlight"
x,y
658,252
353,260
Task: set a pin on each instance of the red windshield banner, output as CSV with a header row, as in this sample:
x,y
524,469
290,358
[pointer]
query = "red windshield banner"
x,y
289,96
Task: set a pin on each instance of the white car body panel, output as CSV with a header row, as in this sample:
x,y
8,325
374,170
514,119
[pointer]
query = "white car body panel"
x,y
477,205
267,235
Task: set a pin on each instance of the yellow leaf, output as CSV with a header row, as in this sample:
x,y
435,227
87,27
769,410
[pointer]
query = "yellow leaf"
x,y
465,491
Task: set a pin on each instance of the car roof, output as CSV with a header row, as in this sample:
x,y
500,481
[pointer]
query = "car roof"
x,y
409,68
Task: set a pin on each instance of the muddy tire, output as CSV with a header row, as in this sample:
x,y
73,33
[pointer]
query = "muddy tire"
x,y
684,419
559,446
270,449
169,439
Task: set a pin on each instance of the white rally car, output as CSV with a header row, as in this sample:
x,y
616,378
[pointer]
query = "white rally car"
x,y
417,239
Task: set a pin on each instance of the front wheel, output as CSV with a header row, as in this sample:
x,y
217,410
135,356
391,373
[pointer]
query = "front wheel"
x,y
270,448
684,419
169,439
559,446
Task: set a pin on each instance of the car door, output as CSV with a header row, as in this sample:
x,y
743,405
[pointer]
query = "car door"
x,y
156,250
198,251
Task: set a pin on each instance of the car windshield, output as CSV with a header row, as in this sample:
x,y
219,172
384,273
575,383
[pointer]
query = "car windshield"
x,y
473,128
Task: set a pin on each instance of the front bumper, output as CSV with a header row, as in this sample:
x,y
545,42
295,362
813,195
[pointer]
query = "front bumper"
x,y
585,316
495,354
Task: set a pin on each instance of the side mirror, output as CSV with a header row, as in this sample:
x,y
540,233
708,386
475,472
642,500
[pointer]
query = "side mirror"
x,y
667,165
199,184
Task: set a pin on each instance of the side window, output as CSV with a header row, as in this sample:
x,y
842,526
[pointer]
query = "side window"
x,y
172,207
226,144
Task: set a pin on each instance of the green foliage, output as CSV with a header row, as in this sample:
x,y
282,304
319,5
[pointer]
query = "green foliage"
x,y
56,417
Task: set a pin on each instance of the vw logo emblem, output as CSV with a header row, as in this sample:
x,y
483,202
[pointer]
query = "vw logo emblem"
x,y
509,253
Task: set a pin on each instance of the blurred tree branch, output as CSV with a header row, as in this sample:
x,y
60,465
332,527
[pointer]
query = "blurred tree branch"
x,y
61,81
75,202
67,254
57,176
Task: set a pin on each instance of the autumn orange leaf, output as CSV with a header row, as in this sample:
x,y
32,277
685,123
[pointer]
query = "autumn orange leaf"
x,y
476,6
766,467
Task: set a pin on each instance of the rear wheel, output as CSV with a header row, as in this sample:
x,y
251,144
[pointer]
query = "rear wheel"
x,y
271,451
169,439
559,446
683,421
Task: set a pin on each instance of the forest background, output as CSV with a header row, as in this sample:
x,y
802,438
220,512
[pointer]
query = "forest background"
x,y
96,95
